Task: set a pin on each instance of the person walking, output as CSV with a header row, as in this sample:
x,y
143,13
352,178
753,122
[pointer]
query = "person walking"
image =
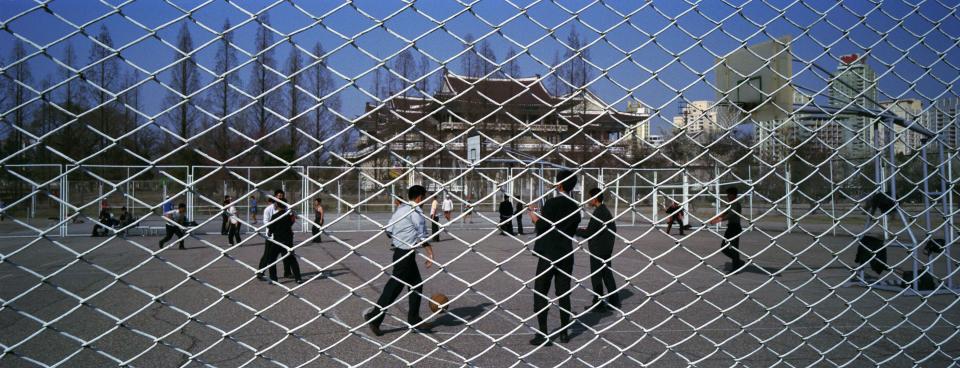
x,y
555,226
674,214
517,210
600,234
730,246
506,216
176,221
435,219
317,219
447,207
408,231
253,209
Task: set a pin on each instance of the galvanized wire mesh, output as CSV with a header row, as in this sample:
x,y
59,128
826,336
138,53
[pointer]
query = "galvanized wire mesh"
x,y
836,122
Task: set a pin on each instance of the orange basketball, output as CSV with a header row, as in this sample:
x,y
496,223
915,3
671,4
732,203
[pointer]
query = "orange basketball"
x,y
438,301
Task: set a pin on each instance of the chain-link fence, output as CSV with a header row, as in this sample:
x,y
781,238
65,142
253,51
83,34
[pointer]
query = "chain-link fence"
x,y
757,183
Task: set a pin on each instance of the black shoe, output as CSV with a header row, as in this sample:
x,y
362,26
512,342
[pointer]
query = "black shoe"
x,y
422,327
299,281
736,267
596,305
260,277
161,246
181,247
540,340
563,337
374,329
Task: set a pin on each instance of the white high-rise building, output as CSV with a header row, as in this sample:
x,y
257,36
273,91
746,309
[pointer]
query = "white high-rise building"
x,y
941,118
776,137
642,131
702,120
910,110
855,87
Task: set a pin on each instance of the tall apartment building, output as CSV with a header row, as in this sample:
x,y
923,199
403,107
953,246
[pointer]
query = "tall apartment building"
x,y
855,87
911,110
701,120
642,131
941,118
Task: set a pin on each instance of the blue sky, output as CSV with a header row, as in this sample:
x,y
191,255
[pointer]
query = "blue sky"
x,y
672,45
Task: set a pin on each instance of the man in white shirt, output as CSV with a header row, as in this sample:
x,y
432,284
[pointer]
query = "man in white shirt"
x,y
267,215
408,231
176,221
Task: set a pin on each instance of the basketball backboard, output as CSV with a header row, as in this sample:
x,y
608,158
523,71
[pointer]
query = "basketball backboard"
x,y
473,149
757,78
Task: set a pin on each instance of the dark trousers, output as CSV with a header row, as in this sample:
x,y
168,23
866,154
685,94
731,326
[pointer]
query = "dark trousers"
x,y
406,270
675,218
103,230
506,226
171,231
602,274
315,230
266,251
274,251
520,225
560,274
435,228
233,232
223,227
730,247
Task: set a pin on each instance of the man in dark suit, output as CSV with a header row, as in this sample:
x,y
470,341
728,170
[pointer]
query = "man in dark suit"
x,y
506,216
599,233
556,226
281,227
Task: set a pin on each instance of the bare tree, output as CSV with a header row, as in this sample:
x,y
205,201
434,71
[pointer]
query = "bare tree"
x,y
576,71
143,141
470,61
103,75
325,122
378,86
222,100
294,100
406,67
512,66
557,86
17,93
73,94
487,64
185,81
424,86
261,81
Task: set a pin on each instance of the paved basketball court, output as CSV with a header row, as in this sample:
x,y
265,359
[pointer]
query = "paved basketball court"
x,y
678,309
